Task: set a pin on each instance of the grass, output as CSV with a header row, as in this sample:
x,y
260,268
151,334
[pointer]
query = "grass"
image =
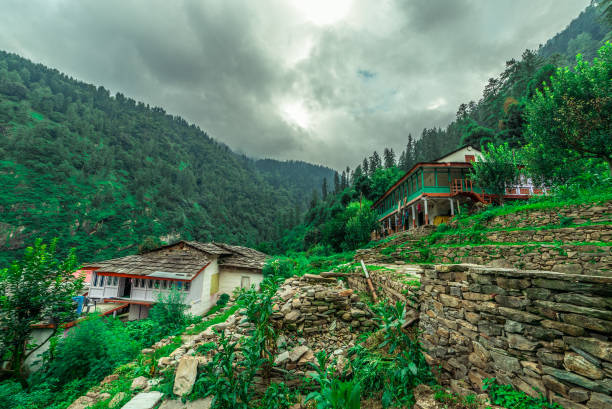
x,y
202,326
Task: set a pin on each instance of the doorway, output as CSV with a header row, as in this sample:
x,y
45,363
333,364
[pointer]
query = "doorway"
x,y
126,289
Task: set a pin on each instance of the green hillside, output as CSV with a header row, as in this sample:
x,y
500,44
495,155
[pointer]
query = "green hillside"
x,y
103,173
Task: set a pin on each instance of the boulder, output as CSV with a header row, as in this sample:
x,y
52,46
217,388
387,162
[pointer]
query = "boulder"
x,y
144,400
117,399
296,353
139,383
185,377
281,358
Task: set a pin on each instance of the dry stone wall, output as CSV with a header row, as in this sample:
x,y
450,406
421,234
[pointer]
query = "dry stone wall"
x,y
594,213
537,330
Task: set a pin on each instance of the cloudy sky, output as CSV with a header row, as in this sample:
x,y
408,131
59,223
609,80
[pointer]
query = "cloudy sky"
x,y
326,81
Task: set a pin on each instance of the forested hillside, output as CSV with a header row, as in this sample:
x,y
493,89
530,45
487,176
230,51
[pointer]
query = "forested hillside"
x,y
106,174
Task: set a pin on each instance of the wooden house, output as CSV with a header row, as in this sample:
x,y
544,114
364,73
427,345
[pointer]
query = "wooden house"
x,y
432,192
202,271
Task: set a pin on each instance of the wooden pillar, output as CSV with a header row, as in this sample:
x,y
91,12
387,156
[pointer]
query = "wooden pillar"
x,y
413,217
458,207
426,210
452,207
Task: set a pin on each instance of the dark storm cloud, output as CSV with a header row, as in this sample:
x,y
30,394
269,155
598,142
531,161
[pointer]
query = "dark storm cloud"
x,y
274,79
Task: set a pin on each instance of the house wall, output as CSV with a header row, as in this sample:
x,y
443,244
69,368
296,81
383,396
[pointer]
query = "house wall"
x,y
199,298
231,278
138,312
459,156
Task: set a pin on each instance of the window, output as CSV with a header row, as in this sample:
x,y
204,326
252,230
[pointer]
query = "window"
x,y
245,282
418,177
214,284
157,284
150,282
94,279
443,177
164,284
115,281
179,285
170,284
187,286
429,178
101,284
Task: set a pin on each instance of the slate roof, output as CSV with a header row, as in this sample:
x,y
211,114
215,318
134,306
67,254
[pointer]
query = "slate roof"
x,y
182,260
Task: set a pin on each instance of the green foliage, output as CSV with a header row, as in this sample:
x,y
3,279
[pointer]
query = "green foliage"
x,y
394,364
572,116
80,355
497,170
333,393
37,288
169,312
508,397
223,300
277,396
456,401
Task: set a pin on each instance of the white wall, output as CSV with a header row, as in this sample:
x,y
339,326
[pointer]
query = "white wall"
x,y
199,298
459,156
231,278
39,336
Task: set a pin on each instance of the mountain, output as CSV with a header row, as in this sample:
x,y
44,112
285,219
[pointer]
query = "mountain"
x,y
584,34
105,174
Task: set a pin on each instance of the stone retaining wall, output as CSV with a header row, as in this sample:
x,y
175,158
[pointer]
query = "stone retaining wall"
x,y
601,233
594,213
568,258
537,330
396,285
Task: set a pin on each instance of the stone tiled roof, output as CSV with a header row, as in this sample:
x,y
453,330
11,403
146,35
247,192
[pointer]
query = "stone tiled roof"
x,y
182,260
243,257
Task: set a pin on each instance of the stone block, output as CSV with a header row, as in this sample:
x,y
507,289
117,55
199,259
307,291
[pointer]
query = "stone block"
x,y
563,327
505,362
577,363
596,347
144,400
600,401
186,373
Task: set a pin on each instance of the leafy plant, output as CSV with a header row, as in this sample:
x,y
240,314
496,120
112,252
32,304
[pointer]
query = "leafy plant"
x,y
333,393
277,396
508,397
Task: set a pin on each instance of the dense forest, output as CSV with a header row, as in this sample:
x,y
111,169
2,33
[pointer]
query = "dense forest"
x,y
106,174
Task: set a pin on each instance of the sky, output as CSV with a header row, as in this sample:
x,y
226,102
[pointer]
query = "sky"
x,y
324,81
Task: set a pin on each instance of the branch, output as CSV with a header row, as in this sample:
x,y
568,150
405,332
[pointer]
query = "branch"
x,y
31,351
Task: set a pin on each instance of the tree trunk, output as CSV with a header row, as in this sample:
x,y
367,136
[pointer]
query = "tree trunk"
x,y
609,160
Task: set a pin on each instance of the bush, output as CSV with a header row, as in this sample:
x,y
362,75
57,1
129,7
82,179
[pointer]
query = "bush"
x,y
91,350
223,299
169,313
279,267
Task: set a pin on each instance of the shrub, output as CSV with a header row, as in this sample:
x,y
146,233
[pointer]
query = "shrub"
x,y
223,299
81,355
169,313
508,397
279,267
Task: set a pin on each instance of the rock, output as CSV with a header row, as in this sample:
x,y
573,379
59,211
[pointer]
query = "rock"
x,y
577,363
513,326
82,403
185,377
292,316
196,404
521,343
144,400
554,385
570,268
356,313
109,378
117,399
600,401
577,380
139,383
505,362
147,351
281,358
578,395
296,353
307,357
593,346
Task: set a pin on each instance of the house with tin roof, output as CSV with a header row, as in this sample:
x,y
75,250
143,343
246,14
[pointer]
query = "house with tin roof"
x,y
203,271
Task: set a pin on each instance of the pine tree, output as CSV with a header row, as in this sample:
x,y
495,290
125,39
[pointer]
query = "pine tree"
x,y
343,183
314,201
410,154
365,166
402,164
336,182
324,189
375,162
389,156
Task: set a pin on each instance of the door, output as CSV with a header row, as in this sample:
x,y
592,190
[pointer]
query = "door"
x,y
245,282
126,291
